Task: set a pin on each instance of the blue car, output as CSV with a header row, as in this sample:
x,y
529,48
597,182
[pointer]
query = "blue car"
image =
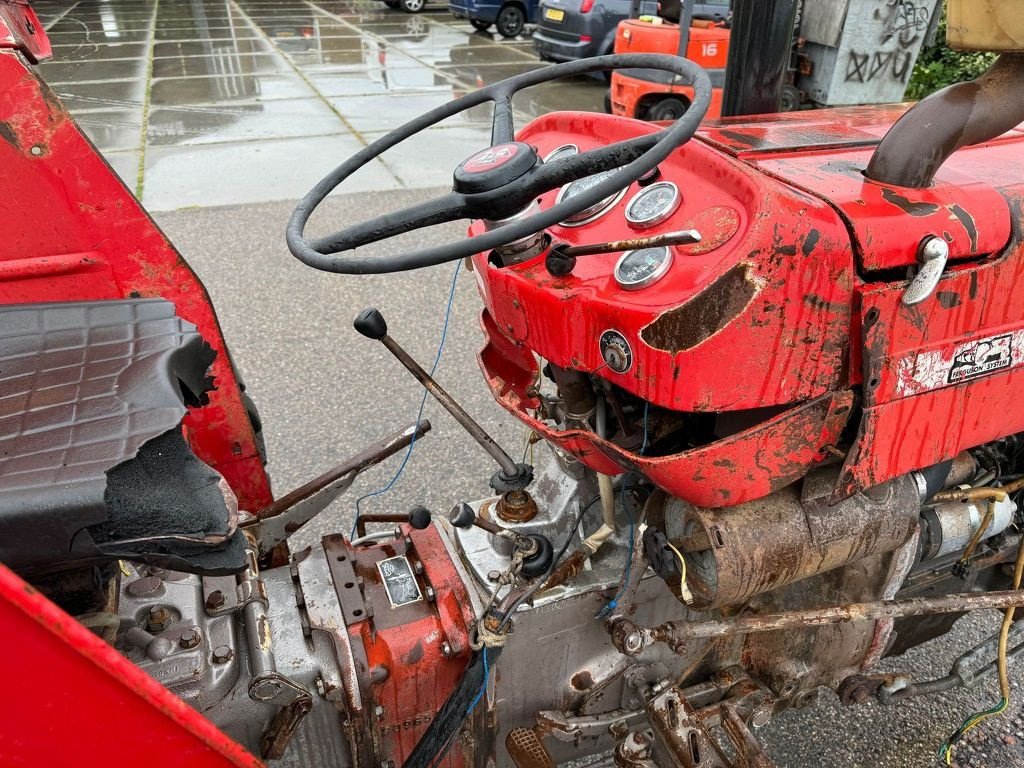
x,y
508,16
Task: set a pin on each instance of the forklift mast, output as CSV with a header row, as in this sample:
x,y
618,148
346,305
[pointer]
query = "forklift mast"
x,y
759,55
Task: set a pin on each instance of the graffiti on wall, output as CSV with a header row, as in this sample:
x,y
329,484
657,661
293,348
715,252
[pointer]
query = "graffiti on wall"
x,y
901,24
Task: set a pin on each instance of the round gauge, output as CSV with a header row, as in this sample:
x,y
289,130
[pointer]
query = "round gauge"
x,y
559,153
640,268
578,187
653,204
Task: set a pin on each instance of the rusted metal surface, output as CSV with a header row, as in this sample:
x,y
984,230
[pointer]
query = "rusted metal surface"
x,y
526,750
685,237
419,650
516,507
507,464
963,114
631,639
791,535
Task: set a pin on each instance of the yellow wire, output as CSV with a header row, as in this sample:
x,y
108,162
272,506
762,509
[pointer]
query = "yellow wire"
x,y
684,591
1004,677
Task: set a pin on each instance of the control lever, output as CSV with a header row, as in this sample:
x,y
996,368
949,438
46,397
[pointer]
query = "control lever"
x,y
418,518
932,256
511,476
561,259
535,549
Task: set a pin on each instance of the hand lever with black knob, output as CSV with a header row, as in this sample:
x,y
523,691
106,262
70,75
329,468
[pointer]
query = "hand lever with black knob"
x,y
512,476
537,550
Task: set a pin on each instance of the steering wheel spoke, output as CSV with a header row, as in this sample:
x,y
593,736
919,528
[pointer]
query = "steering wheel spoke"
x,y
440,210
503,129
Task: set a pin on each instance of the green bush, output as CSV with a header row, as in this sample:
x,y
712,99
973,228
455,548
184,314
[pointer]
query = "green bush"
x,y
939,66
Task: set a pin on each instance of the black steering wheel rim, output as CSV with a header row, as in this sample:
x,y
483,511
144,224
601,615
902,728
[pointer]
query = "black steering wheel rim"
x,y
631,159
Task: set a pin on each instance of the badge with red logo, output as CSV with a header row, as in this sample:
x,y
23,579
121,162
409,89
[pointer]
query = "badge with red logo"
x,y
490,158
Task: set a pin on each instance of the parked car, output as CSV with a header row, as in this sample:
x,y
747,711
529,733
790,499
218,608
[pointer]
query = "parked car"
x,y
575,29
508,16
409,6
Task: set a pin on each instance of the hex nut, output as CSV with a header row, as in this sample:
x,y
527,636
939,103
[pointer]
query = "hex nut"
x,y
446,650
379,712
158,620
190,638
215,600
222,654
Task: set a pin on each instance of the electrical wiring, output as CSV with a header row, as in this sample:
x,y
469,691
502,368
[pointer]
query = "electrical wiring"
x,y
423,404
684,591
614,602
946,750
554,562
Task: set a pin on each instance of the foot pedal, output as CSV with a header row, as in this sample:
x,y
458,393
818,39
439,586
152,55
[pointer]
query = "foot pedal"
x,y
526,750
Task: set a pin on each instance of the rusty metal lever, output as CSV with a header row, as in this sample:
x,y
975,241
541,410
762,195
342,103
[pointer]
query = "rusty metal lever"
x,y
631,639
371,324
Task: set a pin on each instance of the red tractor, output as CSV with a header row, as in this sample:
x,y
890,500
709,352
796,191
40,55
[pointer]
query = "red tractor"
x,y
776,363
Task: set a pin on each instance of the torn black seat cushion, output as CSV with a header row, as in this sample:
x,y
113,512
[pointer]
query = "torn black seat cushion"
x,y
92,459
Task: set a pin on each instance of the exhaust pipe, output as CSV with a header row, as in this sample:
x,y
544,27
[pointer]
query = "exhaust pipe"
x,y
958,116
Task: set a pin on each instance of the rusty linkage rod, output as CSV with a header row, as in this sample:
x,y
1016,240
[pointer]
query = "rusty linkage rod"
x,y
633,640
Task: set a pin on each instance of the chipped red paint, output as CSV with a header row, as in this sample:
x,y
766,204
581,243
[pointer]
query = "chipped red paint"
x,y
68,686
408,642
796,301
73,232
21,30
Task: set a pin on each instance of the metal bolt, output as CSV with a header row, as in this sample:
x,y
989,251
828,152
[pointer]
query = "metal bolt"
x,y
36,150
148,586
222,654
417,568
387,764
320,688
634,642
494,576
446,650
379,712
431,595
190,638
215,600
159,619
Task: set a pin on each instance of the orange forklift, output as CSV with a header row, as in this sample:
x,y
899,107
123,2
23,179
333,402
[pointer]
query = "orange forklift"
x,y
647,94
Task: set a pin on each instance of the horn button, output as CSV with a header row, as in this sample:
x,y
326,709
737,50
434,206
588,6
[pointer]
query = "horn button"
x,y
494,167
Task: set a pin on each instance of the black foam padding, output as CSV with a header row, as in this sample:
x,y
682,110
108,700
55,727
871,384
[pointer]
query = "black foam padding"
x,y
84,388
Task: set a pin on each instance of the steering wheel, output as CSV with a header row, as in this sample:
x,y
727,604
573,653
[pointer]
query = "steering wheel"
x,y
498,182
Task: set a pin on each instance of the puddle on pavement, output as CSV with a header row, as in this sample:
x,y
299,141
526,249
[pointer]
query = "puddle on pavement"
x,y
231,102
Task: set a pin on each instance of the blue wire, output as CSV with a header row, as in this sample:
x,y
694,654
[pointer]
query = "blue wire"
x,y
423,403
614,602
483,686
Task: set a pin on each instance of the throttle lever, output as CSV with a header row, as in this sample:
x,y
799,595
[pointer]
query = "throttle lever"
x,y
561,259
511,476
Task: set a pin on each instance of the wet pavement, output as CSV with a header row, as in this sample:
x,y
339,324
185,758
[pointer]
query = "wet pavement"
x,y
217,102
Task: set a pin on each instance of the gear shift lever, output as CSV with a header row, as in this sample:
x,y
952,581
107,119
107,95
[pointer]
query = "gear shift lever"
x,y
511,476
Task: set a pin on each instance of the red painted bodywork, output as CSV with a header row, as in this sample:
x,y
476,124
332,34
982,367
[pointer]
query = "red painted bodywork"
x,y
75,701
72,232
708,47
815,321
